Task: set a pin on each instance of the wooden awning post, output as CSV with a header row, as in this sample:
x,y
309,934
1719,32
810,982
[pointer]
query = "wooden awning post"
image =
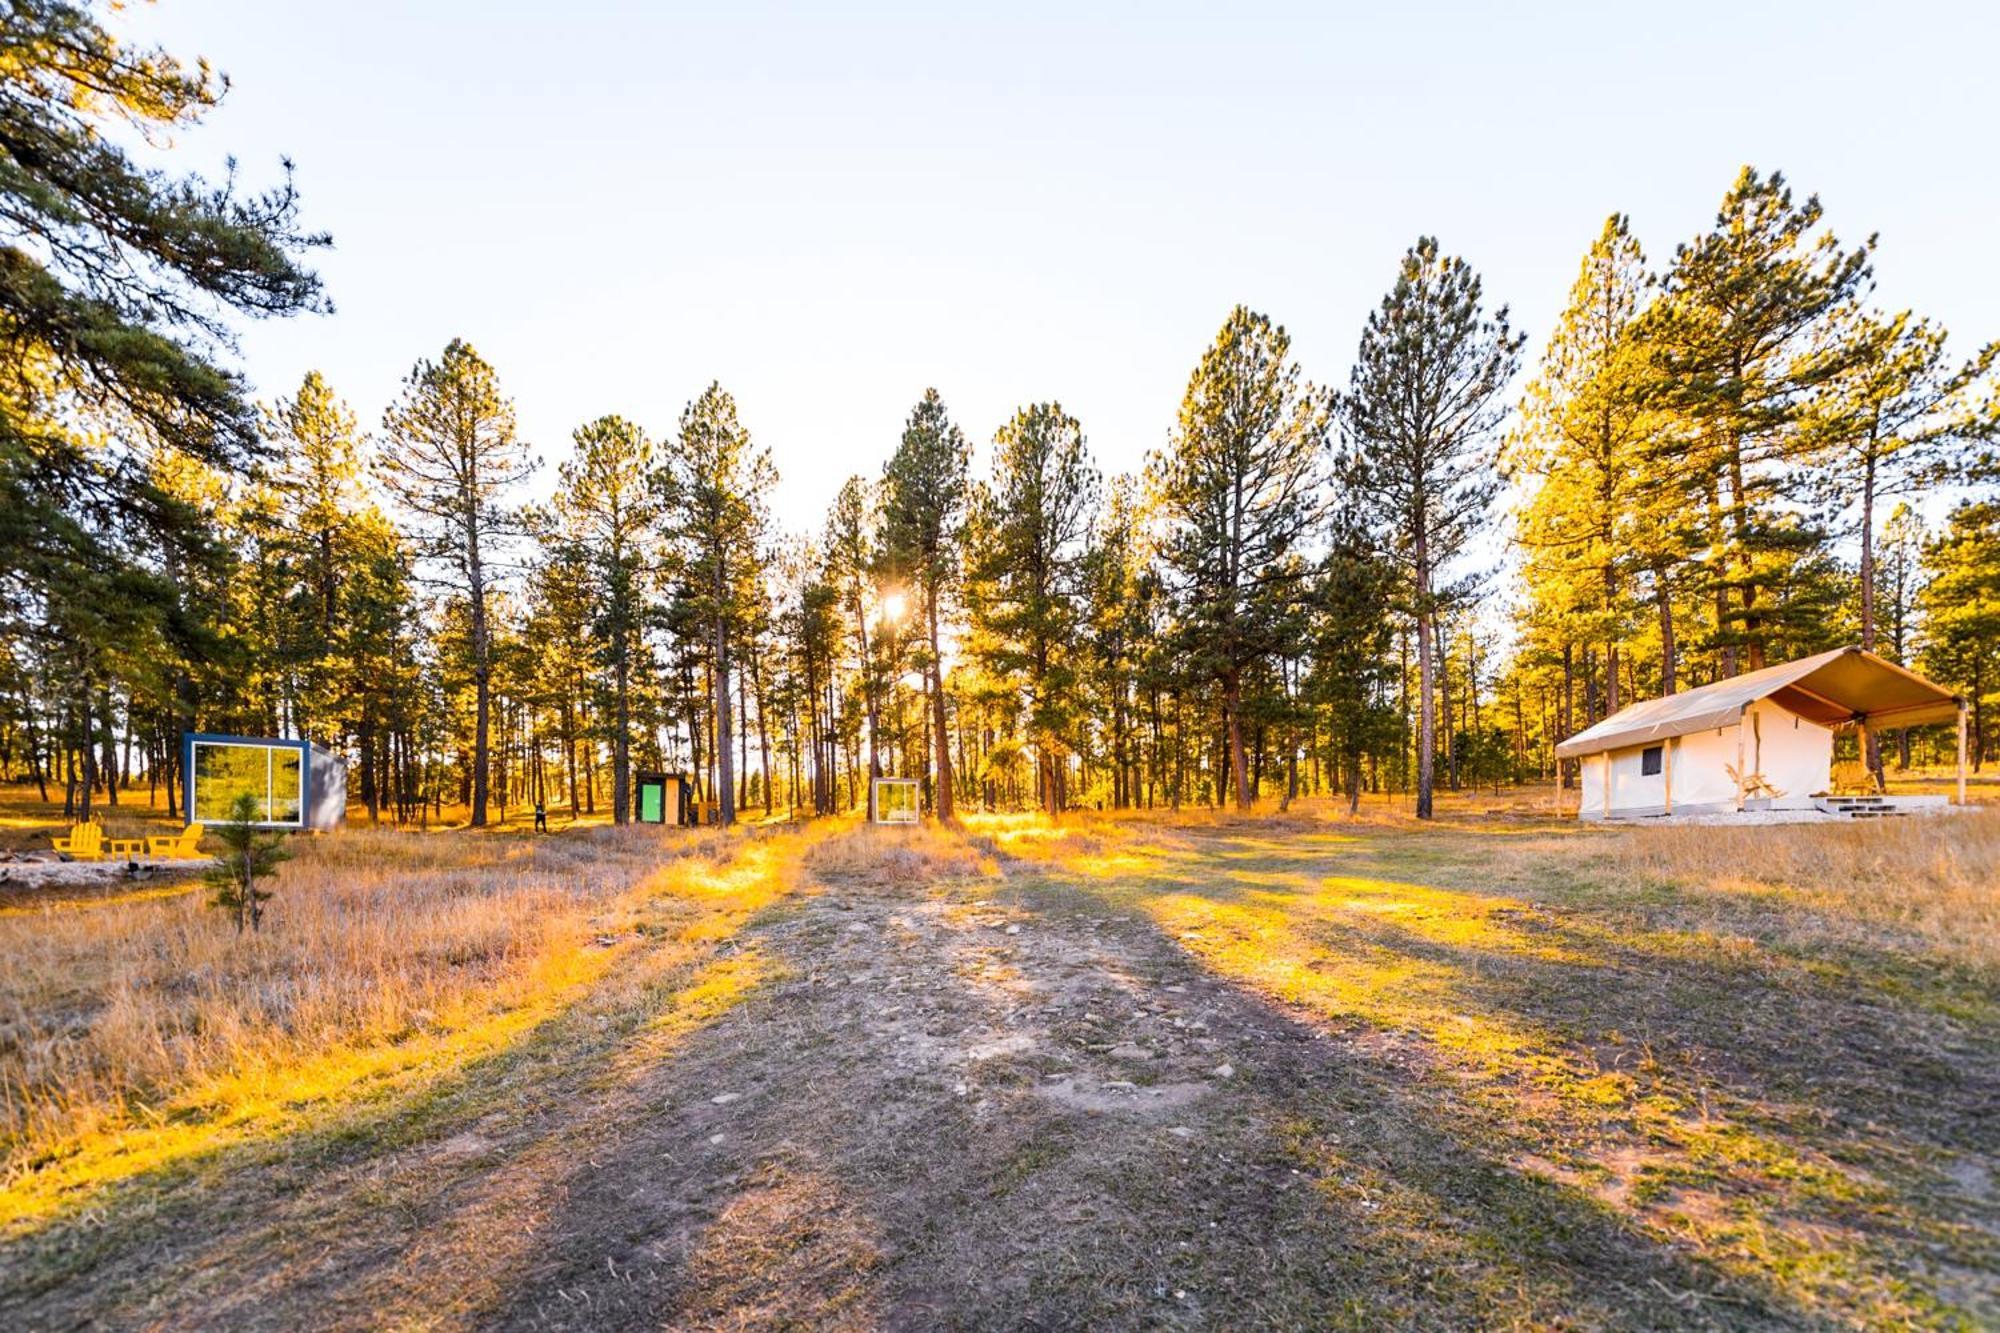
x,y
1875,778
1742,723
1667,767
1961,753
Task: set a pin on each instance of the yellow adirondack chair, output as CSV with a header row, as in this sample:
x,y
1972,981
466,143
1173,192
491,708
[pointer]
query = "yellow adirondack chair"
x,y
84,843
182,846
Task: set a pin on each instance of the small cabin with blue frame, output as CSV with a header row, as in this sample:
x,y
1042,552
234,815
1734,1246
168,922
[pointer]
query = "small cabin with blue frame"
x,y
295,784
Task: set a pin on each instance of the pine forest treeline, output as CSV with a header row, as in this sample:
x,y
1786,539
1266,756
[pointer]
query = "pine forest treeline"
x,y
1411,572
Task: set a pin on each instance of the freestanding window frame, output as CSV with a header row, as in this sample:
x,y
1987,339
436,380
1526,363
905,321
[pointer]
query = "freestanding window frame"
x,y
897,800
277,772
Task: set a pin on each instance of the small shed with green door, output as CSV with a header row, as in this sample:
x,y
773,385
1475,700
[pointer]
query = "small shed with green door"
x,y
660,798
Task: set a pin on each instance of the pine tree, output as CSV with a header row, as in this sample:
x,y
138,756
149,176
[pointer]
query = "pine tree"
x,y
455,460
249,854
1899,415
1240,487
116,283
610,502
1898,573
850,557
1585,429
119,283
923,513
319,478
1351,632
1961,605
1119,614
1746,336
1420,413
376,646
720,479
1028,567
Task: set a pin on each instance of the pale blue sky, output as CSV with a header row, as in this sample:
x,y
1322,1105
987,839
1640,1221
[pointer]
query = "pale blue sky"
x,y
829,208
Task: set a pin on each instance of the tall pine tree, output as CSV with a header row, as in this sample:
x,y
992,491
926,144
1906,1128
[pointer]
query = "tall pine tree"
x,y
455,461
923,513
720,481
610,502
1028,571
1240,486
1421,412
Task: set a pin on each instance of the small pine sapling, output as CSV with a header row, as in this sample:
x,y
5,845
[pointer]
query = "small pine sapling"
x,y
248,854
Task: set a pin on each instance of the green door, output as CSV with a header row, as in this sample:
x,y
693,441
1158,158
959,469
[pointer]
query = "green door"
x,y
652,795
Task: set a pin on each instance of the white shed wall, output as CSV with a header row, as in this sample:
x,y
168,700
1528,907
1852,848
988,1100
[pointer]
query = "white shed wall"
x,y
1630,788
1701,770
1793,754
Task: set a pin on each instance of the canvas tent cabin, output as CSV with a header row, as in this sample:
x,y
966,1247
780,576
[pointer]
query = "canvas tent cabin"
x,y
295,784
1758,741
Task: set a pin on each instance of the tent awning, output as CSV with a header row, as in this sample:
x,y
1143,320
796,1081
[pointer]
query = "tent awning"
x,y
1833,689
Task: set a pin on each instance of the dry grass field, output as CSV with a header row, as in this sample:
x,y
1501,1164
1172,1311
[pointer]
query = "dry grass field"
x,y
1193,1070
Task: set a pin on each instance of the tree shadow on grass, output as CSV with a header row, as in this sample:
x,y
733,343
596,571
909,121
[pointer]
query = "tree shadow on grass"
x,y
279,1229
841,1153
1777,1113
1762,1023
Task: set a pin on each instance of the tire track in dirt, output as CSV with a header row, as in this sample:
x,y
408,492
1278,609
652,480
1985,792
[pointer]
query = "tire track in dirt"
x,y
954,1107
999,1103
919,1099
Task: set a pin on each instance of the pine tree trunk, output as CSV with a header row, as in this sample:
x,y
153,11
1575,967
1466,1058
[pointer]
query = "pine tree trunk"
x,y
110,742
868,699
89,755
482,666
725,755
1871,746
1291,774
369,796
569,751
1232,707
1426,689
621,739
941,739
763,725
1664,601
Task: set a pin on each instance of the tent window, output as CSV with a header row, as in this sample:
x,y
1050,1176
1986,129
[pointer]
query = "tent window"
x,y
1649,761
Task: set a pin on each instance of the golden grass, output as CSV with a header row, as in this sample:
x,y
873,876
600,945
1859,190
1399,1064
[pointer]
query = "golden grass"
x,y
1927,885
899,856
1923,884
27,824
141,1031
1567,997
